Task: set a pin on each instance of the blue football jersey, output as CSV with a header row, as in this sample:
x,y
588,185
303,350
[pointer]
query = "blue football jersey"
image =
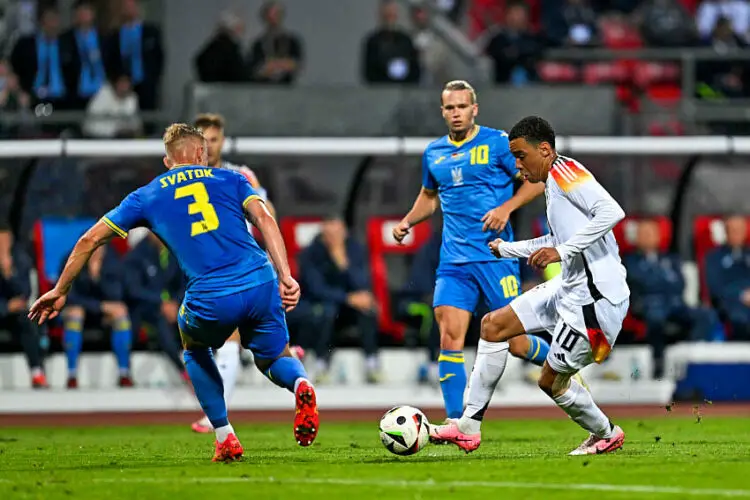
x,y
198,212
471,177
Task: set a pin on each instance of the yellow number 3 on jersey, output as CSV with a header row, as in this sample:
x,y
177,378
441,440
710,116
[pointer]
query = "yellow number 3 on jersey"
x,y
200,205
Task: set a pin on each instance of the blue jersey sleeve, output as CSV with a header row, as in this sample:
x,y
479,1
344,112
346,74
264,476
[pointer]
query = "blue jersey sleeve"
x,y
246,192
126,216
428,181
505,159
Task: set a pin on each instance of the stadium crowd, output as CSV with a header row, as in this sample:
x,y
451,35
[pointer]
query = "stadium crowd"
x,y
112,75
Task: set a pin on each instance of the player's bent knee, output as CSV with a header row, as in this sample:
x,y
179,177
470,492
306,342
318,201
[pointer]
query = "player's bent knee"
x,y
500,325
75,313
519,346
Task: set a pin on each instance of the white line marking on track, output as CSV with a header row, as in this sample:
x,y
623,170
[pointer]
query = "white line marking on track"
x,y
622,488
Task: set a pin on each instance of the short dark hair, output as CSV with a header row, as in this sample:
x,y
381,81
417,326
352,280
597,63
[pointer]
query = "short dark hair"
x,y
83,3
207,120
534,129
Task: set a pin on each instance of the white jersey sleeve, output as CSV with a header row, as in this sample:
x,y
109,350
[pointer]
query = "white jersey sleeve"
x,y
249,175
525,248
581,215
602,210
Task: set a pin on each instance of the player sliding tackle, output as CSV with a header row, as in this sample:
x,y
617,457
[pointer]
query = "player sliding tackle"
x,y
471,174
583,308
199,213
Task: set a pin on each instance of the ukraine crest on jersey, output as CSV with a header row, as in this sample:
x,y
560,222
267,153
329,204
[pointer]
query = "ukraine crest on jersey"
x,y
471,177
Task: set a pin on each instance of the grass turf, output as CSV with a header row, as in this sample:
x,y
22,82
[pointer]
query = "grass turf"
x,y
668,457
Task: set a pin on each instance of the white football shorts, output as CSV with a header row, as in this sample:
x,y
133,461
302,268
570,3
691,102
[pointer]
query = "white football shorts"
x,y
581,335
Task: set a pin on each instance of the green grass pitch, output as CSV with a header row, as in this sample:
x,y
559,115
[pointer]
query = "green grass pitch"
x,y
668,457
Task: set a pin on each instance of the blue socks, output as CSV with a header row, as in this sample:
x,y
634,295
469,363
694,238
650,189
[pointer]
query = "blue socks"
x,y
207,383
538,349
73,343
452,381
122,339
284,372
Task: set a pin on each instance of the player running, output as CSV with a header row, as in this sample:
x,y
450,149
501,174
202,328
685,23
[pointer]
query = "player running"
x,y
471,174
583,308
199,213
228,356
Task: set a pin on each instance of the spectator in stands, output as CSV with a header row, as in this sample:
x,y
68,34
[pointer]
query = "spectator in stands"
x,y
721,79
220,60
84,43
416,303
97,298
40,61
736,11
656,286
515,50
276,57
728,277
571,23
335,276
15,291
667,23
434,54
154,289
12,98
135,49
114,111
389,54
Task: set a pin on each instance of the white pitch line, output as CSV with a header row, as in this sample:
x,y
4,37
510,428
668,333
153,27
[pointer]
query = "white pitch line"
x,y
622,488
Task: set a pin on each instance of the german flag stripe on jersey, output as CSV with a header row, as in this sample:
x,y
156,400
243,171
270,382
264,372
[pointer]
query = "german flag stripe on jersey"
x,y
568,174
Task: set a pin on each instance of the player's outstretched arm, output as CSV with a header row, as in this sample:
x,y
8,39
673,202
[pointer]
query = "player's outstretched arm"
x,y
522,249
260,217
49,305
497,218
424,206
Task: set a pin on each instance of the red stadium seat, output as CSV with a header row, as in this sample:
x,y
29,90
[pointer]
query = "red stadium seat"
x,y
558,72
618,33
380,243
708,233
625,232
606,72
649,73
298,232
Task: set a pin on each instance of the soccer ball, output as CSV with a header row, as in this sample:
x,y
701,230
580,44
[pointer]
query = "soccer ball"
x,y
404,430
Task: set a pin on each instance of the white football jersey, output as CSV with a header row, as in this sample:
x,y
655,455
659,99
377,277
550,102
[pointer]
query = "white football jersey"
x,y
249,175
581,215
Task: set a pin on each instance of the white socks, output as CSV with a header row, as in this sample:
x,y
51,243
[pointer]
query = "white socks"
x,y
227,359
488,368
577,403
223,432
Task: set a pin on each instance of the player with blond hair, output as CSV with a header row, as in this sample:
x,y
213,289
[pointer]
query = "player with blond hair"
x,y
471,174
200,214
